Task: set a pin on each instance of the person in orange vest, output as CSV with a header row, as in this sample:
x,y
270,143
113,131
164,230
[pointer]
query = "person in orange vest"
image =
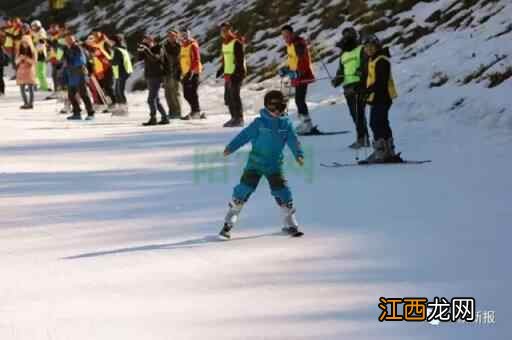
x,y
234,70
101,53
191,68
13,37
300,71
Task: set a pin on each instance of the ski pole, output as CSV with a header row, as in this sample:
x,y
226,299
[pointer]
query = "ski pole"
x,y
326,69
357,123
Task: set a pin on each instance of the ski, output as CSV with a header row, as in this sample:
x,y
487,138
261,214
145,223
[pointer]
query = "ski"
x,y
324,133
366,164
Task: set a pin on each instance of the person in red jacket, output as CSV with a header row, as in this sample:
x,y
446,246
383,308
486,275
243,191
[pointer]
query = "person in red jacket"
x,y
300,71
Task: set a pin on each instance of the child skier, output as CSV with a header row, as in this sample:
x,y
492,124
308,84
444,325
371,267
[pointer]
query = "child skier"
x,y
268,135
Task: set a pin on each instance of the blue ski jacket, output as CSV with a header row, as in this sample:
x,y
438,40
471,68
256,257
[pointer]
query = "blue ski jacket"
x,y
268,135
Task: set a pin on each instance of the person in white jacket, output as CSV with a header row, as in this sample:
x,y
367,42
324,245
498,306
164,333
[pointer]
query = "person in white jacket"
x,y
40,37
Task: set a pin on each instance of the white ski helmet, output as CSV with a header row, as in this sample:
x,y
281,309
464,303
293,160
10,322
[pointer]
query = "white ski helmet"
x,y
36,24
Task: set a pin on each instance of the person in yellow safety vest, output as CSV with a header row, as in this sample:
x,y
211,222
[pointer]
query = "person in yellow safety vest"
x,y
352,75
39,37
380,92
234,70
300,71
191,68
122,68
172,68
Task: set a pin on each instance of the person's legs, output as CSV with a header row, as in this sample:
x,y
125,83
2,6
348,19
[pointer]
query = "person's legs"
x,y
283,196
194,97
108,85
236,106
279,188
186,92
172,96
2,83
379,121
190,87
384,147
122,90
248,183
300,100
153,85
41,75
31,95
72,91
85,98
24,94
362,127
241,193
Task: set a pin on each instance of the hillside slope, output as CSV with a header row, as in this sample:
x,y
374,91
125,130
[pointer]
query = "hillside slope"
x,y
452,56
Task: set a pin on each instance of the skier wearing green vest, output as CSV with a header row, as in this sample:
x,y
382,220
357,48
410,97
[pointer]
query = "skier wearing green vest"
x,y
122,68
234,70
352,75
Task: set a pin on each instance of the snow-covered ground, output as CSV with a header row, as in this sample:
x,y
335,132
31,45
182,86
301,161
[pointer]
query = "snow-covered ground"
x,y
108,229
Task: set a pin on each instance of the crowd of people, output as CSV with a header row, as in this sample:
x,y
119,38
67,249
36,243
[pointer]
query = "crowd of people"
x,y
94,72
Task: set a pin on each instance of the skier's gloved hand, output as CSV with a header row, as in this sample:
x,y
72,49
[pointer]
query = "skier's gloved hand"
x,y
294,75
300,160
226,152
283,71
350,91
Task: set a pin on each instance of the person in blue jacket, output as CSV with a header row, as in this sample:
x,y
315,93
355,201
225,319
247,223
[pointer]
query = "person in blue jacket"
x,y
268,134
75,74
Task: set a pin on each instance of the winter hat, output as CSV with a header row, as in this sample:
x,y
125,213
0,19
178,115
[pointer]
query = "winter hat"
x,y
26,27
36,24
287,28
372,39
173,31
349,32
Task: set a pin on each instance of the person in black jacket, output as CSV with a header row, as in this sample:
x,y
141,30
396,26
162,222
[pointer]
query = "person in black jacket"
x,y
151,53
380,92
171,59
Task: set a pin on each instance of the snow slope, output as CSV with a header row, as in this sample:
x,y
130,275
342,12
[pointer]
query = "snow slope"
x,y
107,229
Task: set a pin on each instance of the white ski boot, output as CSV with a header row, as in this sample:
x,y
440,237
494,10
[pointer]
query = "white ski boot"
x,y
235,207
305,126
291,226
